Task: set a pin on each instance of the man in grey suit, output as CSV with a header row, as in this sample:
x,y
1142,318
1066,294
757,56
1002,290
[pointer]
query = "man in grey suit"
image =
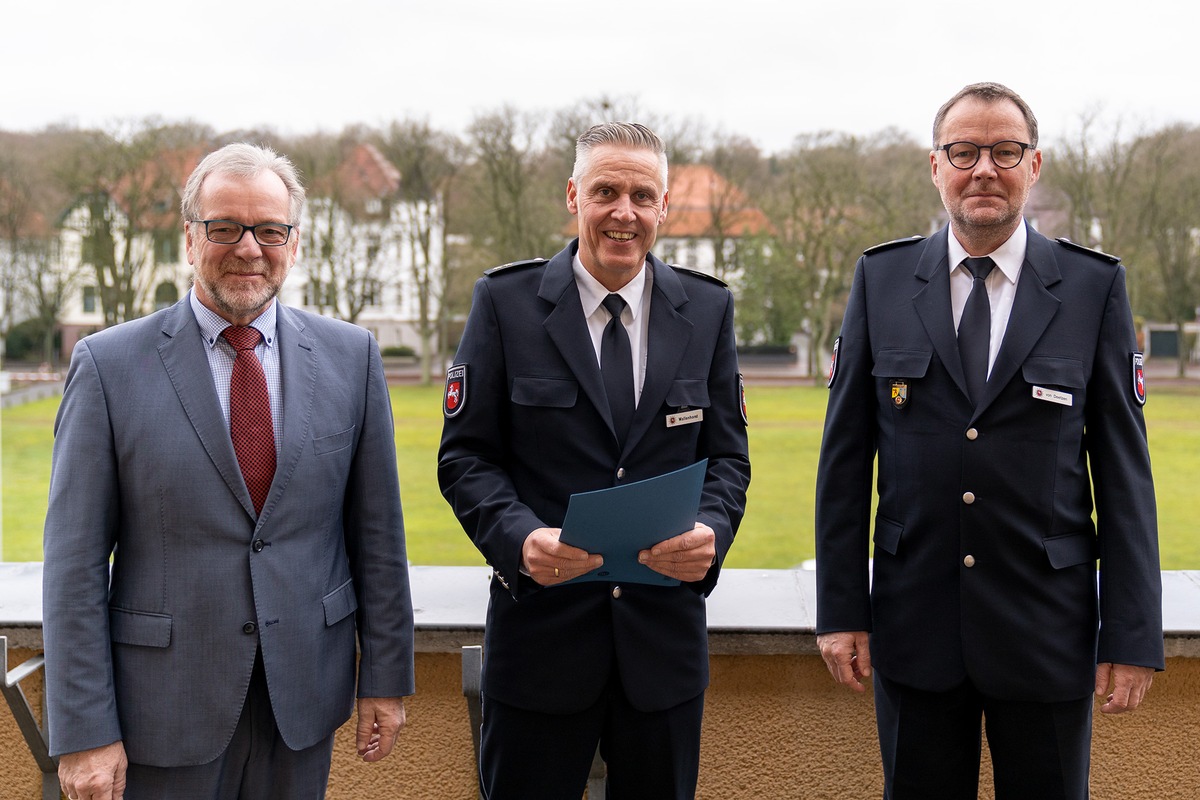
x,y
218,659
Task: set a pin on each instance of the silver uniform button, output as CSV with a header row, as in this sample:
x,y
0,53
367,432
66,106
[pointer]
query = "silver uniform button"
x,y
620,473
969,561
968,497
972,434
616,593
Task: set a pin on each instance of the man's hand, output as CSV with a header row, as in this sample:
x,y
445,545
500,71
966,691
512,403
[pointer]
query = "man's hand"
x,y
548,561
686,557
847,654
379,722
96,774
1122,686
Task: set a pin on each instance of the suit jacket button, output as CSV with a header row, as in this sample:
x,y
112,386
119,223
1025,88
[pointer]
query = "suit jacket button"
x,y
969,561
249,627
616,593
258,545
620,473
972,434
968,497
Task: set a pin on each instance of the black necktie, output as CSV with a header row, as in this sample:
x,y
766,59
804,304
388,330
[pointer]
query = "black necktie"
x,y
975,328
616,365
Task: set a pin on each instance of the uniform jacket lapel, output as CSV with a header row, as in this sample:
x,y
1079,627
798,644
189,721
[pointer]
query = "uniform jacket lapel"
x,y
1033,308
667,340
568,330
933,305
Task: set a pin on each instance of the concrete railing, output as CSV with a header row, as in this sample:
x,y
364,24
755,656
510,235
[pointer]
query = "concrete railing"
x,y
775,725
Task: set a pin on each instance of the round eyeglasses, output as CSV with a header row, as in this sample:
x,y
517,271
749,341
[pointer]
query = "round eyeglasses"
x,y
226,231
1005,155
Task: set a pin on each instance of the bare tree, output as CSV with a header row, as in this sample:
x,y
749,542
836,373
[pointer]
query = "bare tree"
x,y
1167,196
348,238
126,184
517,195
34,282
429,161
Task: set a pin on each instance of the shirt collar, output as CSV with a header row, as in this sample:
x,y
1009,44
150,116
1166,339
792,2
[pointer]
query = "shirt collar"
x,y
211,323
592,292
1008,257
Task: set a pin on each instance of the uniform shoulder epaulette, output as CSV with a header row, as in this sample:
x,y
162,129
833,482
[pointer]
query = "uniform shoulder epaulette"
x,y
1065,242
699,274
893,243
531,262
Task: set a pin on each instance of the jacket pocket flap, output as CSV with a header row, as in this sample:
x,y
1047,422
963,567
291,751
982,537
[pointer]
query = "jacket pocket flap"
x,y
887,534
901,363
335,441
1057,371
340,603
139,628
1070,550
551,392
693,393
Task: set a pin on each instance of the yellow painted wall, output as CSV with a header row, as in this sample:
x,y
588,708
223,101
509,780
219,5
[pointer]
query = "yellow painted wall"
x,y
775,727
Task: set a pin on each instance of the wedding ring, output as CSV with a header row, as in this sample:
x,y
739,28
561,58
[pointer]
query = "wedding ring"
x,y
556,572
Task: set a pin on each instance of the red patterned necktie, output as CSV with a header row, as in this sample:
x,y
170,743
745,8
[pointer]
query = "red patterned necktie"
x,y
250,415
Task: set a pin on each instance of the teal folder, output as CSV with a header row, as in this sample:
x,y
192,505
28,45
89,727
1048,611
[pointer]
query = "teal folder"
x,y
619,522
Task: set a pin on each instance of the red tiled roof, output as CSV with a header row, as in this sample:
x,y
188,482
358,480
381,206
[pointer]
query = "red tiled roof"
x,y
366,174
696,191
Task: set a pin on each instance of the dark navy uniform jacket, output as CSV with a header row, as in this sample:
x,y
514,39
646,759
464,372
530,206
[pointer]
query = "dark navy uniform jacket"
x,y
530,426
984,543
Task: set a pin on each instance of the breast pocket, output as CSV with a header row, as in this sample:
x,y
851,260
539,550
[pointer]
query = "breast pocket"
x,y
545,392
1058,373
688,393
334,441
896,372
901,363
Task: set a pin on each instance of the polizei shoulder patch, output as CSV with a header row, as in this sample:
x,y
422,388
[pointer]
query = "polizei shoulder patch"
x,y
455,397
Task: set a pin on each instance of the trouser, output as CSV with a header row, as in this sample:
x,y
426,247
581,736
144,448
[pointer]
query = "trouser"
x,y
256,765
931,744
650,755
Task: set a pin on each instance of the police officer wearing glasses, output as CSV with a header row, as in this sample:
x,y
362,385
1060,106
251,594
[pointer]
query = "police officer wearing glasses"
x,y
992,378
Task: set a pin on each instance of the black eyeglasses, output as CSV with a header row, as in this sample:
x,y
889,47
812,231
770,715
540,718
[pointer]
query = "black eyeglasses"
x,y
226,231
1005,155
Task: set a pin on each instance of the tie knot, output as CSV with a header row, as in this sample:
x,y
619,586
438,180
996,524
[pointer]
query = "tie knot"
x,y
615,305
980,267
242,338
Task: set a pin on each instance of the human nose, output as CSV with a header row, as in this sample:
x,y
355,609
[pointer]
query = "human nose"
x,y
985,166
623,208
247,244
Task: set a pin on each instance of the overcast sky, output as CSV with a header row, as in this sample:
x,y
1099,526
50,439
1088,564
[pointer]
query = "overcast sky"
x,y
766,70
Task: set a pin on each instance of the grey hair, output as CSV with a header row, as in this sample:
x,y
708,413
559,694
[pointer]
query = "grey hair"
x,y
244,161
988,92
628,134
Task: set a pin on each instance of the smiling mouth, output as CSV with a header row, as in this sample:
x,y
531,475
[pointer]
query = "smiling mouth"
x,y
619,236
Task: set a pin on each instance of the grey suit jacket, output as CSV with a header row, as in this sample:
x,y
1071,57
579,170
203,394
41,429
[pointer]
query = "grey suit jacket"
x,y
160,654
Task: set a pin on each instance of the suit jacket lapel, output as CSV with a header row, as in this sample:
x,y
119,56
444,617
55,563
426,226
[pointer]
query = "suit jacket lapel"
x,y
668,336
568,330
186,363
933,305
1033,308
298,373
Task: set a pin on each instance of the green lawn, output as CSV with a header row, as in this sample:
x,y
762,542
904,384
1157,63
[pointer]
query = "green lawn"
x,y
785,433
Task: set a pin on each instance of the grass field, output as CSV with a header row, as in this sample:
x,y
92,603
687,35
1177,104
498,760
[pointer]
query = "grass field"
x,y
785,433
